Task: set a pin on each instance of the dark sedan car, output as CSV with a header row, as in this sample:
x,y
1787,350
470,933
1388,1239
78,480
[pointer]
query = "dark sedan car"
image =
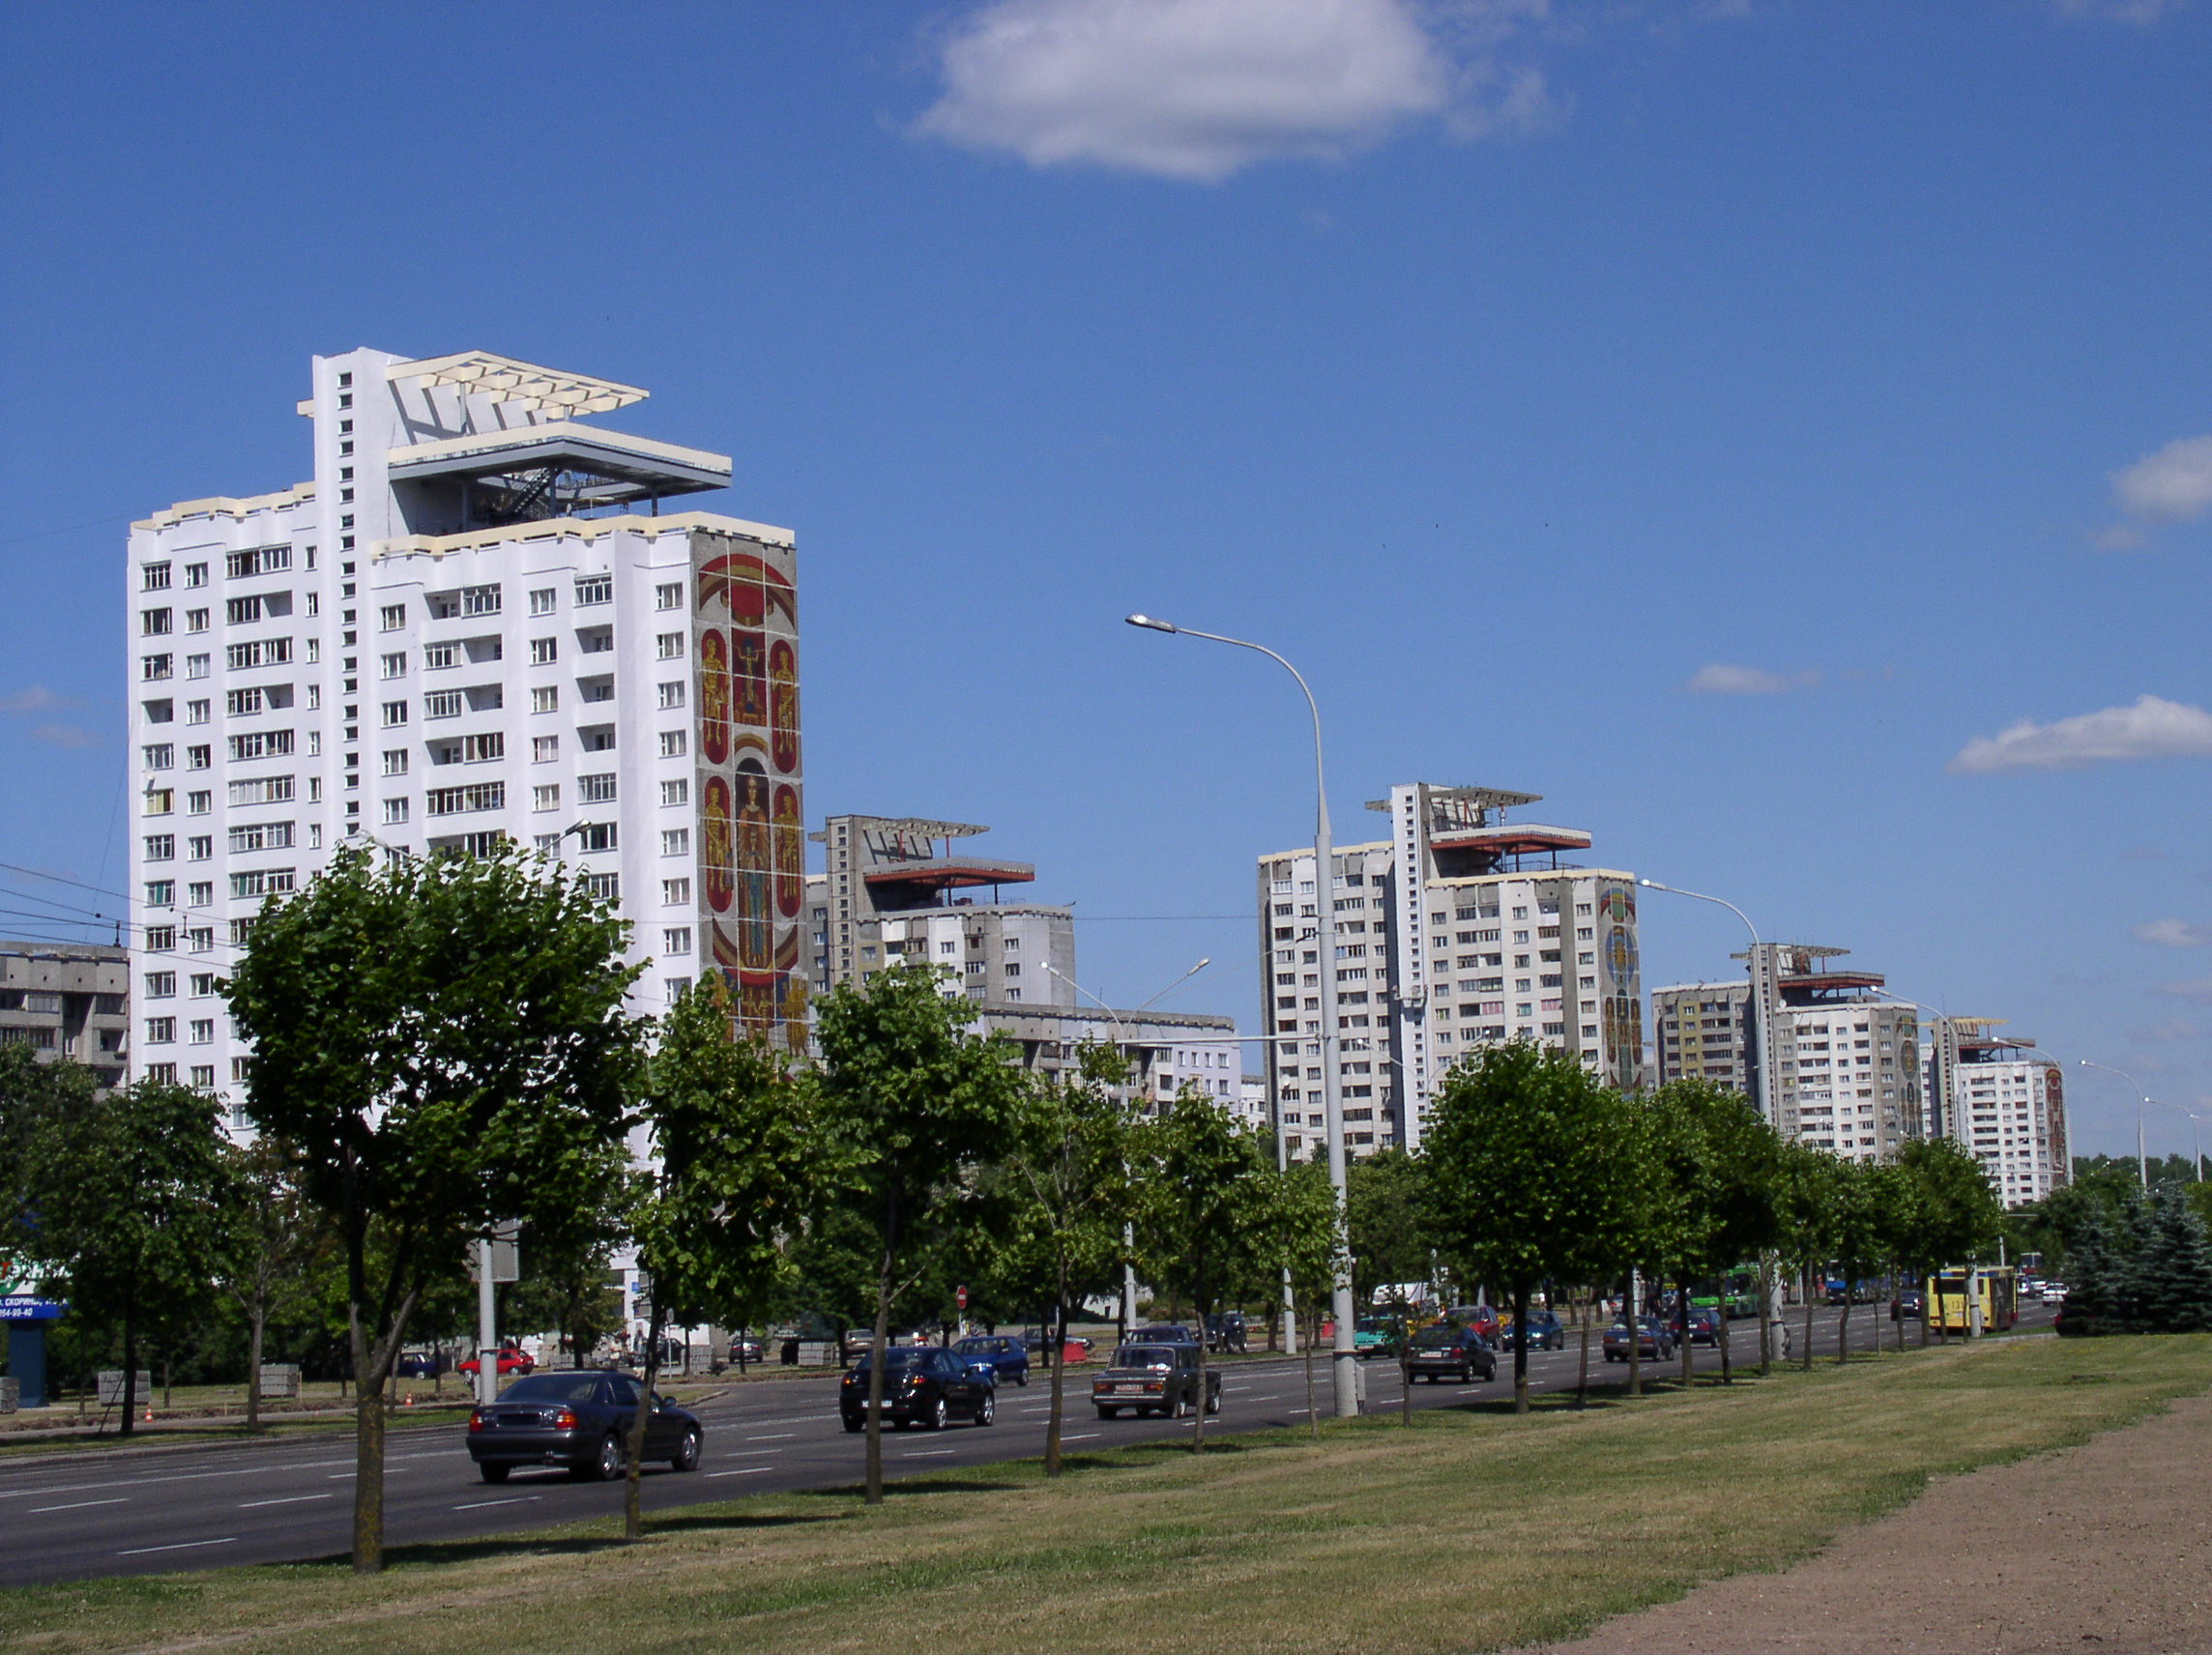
x,y
1704,1326
1457,1351
1655,1342
922,1386
1009,1357
1910,1302
1155,1378
1545,1333
581,1420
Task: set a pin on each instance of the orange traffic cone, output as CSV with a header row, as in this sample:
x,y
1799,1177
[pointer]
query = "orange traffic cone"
x,y
149,1416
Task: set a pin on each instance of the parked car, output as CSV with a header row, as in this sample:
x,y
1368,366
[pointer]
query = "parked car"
x,y
1445,1349
1378,1335
923,1386
1545,1332
748,1351
2053,1291
1155,1378
422,1364
1226,1331
1009,1357
579,1419
509,1360
1907,1302
1703,1328
1655,1344
1163,1333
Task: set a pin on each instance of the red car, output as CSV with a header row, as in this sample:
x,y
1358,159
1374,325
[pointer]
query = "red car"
x,y
509,1361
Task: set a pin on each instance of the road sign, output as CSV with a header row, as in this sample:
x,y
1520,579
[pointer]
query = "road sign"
x,y
506,1253
962,1297
22,1307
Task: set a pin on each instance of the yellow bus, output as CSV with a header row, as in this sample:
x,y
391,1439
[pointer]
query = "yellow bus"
x,y
1955,1293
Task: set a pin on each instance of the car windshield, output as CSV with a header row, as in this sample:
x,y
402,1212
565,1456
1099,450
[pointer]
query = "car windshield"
x,y
1144,1356
898,1359
1437,1338
553,1387
1374,1324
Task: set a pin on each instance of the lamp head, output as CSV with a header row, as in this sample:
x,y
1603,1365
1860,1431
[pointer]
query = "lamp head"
x,y
1151,624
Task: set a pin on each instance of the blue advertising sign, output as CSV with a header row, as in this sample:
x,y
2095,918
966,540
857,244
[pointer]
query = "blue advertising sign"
x,y
21,1307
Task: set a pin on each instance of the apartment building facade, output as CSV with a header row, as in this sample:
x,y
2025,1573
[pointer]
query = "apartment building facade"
x,y
1464,929
70,1001
473,624
891,893
2004,1102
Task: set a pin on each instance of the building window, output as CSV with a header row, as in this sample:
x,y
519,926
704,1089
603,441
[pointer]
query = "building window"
x,y
594,589
677,791
395,712
261,836
543,652
669,645
444,704
155,623
160,985
396,761
673,744
394,666
158,667
161,1030
395,812
675,892
479,599
158,755
203,1034
676,841
458,801
672,696
676,939
156,578
261,882
605,887
261,789
545,698
595,789
670,596
547,798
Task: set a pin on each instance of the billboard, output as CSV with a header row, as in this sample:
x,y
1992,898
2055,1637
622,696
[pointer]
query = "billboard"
x,y
751,807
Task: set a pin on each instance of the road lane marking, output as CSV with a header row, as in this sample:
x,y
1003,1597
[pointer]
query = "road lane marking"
x,y
742,1471
512,1499
771,1437
1081,1437
927,1453
179,1546
77,1505
288,1499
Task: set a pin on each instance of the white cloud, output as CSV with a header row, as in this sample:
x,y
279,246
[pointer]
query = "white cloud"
x,y
2197,989
1719,679
1201,89
37,699
2173,933
2172,485
2150,729
63,736
2167,1028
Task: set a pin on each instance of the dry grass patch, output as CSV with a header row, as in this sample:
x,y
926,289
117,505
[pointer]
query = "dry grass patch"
x,y
1475,1530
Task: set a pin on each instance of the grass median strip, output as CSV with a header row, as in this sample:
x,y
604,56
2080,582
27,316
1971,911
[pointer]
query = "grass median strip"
x,y
1472,1530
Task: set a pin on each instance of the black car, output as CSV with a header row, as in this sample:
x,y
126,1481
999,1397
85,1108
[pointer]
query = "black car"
x,y
1545,1332
748,1352
1155,1378
1459,1351
1163,1333
1910,1302
1225,1332
581,1420
924,1386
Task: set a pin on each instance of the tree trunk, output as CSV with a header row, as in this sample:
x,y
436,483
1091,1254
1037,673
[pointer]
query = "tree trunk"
x,y
633,1490
1843,1326
1052,1424
1582,1375
368,1456
1520,1347
1313,1334
1727,1370
1765,1318
1809,1297
1682,1307
1198,1420
130,1364
875,1422
256,1323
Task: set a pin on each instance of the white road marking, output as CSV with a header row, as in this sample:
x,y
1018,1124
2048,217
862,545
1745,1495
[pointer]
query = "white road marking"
x,y
288,1499
179,1546
772,1437
512,1499
1083,1437
76,1505
927,1453
745,1471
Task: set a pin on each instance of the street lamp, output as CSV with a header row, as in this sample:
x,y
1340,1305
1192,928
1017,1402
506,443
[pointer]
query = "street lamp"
x,y
2195,1138
2142,1157
1758,1018
1344,1361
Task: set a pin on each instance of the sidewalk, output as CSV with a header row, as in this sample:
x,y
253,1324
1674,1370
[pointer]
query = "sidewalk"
x,y
2104,1547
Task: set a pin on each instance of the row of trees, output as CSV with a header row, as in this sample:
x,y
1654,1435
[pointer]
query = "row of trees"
x,y
2140,1264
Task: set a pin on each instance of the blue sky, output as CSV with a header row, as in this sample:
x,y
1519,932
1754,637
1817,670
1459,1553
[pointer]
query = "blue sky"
x,y
1779,434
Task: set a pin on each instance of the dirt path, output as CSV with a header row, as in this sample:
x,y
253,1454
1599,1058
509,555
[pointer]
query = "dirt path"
x,y
2106,1547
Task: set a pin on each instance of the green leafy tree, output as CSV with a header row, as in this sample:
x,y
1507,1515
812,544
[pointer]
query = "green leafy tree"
x,y
919,1106
1535,1171
1866,1194
37,1101
567,1279
1807,1212
1294,1234
272,1244
126,1192
1382,1198
1201,1205
1067,1178
738,1147
1719,1165
444,1038
1955,1213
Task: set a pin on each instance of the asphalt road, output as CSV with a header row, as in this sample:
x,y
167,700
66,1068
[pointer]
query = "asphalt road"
x,y
145,1510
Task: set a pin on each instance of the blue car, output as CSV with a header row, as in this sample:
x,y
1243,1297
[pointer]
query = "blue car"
x,y
1009,1358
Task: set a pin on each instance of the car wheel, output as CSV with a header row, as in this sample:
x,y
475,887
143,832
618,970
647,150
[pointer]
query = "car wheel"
x,y
607,1465
934,1419
1178,1408
984,1409
494,1471
687,1453
1021,1378
853,1423
1213,1402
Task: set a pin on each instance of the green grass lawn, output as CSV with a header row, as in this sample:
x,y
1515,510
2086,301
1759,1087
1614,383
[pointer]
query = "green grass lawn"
x,y
1472,1530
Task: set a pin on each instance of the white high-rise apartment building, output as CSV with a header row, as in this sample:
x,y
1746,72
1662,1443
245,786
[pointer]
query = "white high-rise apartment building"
x,y
474,623
2005,1102
1461,931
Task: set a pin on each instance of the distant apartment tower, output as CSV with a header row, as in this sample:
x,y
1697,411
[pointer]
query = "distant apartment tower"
x,y
474,624
71,1002
2004,1102
1845,1067
1462,930
887,898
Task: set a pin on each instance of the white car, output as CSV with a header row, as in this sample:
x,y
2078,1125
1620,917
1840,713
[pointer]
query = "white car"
x,y
2054,1292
